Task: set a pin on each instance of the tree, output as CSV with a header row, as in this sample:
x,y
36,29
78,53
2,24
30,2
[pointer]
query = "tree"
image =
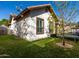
x,y
66,13
4,22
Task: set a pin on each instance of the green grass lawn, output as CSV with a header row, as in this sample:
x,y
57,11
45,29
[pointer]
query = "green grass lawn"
x,y
43,48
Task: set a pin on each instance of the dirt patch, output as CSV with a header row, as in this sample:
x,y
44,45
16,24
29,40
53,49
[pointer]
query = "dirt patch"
x,y
60,44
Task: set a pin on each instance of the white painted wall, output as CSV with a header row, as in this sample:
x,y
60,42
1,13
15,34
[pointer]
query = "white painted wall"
x,y
26,28
12,29
44,15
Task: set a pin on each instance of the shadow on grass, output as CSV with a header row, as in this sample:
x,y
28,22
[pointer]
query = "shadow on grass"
x,y
36,49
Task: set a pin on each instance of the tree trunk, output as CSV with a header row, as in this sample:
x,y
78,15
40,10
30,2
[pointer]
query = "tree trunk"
x,y
63,41
56,28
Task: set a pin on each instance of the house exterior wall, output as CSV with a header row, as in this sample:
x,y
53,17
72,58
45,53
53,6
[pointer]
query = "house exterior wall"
x,y
26,28
11,29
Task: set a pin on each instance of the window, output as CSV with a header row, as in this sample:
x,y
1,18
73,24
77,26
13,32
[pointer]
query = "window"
x,y
40,26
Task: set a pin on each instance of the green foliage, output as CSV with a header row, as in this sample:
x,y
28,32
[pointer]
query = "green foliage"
x,y
4,22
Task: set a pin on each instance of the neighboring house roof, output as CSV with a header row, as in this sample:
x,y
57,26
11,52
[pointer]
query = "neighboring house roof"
x,y
3,27
27,10
11,16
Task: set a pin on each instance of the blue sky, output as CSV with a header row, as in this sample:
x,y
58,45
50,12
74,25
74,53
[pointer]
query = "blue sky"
x,y
9,7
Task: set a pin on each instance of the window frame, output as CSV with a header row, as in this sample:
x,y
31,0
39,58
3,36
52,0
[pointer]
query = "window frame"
x,y
37,26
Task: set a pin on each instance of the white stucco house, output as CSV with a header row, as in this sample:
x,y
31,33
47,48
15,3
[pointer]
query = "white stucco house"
x,y
32,23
